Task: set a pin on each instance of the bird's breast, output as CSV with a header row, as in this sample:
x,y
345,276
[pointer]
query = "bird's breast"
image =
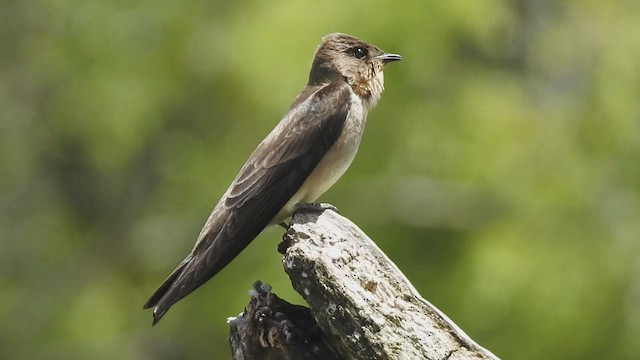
x,y
334,163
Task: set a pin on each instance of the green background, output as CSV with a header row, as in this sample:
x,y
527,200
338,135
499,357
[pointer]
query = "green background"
x,y
500,170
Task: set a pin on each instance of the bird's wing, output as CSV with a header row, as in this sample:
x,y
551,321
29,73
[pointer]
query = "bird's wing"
x,y
293,149
272,175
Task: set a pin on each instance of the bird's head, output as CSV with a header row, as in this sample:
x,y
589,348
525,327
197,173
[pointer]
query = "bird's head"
x,y
360,64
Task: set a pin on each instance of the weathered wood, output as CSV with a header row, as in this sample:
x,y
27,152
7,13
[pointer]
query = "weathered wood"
x,y
365,308
271,328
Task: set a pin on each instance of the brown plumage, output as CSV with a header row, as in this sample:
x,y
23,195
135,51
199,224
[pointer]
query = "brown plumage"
x,y
304,155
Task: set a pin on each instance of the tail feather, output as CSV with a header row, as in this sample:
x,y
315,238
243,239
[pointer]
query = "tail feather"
x,y
162,290
216,247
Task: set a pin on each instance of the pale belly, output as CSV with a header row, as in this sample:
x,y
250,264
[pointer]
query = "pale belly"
x,y
332,166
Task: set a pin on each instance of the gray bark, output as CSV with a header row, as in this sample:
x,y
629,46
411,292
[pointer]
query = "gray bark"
x,y
362,304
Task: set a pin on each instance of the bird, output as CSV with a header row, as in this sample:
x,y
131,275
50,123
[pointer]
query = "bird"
x,y
302,157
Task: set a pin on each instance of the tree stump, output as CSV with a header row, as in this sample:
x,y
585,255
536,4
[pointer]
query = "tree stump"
x,y
362,304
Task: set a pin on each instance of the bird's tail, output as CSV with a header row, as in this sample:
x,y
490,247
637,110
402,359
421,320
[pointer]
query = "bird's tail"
x,y
162,290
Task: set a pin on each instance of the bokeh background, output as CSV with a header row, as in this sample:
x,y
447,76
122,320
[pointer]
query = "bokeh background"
x,y
500,170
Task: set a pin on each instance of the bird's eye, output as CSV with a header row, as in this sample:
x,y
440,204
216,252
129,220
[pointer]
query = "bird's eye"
x,y
359,53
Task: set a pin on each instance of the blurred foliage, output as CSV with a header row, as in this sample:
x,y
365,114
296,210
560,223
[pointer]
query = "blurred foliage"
x,y
500,170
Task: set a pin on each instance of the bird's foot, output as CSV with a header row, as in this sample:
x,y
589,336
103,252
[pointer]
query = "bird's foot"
x,y
284,225
314,207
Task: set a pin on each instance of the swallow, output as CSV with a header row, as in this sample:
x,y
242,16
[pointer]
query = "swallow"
x,y
304,155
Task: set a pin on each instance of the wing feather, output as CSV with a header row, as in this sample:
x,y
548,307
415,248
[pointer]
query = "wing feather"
x,y
273,174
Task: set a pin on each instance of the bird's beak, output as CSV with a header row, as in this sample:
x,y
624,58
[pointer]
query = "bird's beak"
x,y
387,58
